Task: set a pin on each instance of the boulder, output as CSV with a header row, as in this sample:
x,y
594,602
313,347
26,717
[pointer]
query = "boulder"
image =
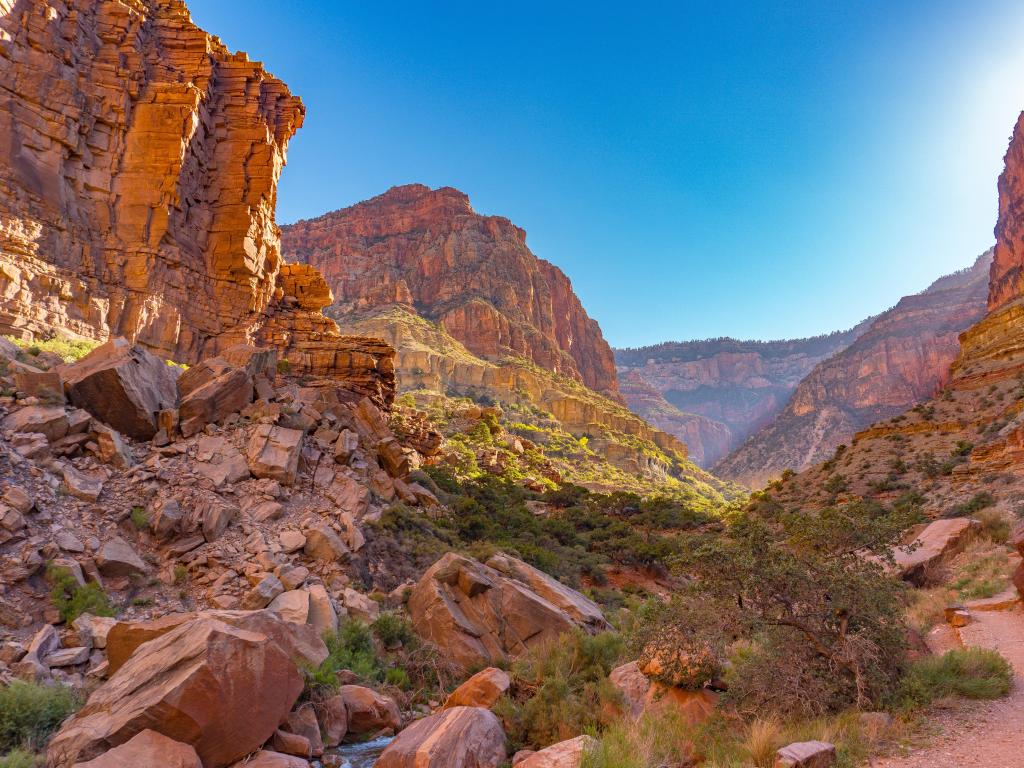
x,y
291,606
299,641
806,754
303,722
226,394
583,611
321,610
481,690
333,717
461,737
288,743
360,606
122,385
273,452
111,447
640,694
48,420
265,758
478,614
204,683
368,711
263,593
565,754
147,748
938,541
80,485
322,543
48,386
117,558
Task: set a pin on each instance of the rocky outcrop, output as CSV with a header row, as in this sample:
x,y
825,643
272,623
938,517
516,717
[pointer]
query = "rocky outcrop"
x,y
147,748
461,737
139,162
203,684
966,445
428,249
726,389
481,690
902,359
494,612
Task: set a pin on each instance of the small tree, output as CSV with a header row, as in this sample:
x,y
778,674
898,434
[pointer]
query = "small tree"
x,y
807,594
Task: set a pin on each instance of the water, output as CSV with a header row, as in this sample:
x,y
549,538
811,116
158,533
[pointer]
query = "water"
x,y
361,755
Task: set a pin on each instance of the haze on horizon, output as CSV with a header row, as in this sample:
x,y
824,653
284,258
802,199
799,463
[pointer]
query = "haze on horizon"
x,y
748,169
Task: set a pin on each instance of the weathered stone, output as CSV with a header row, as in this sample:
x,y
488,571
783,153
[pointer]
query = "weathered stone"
x,y
93,630
117,558
48,386
203,684
291,541
261,595
210,403
122,385
274,453
82,486
48,420
321,610
166,519
292,606
18,498
939,540
462,737
641,695
806,754
369,711
291,744
300,642
333,718
147,748
322,543
303,721
266,758
360,606
481,690
478,614
112,448
67,657
565,754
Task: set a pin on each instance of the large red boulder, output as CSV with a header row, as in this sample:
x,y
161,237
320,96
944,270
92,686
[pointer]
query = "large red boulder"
x,y
461,737
144,749
221,689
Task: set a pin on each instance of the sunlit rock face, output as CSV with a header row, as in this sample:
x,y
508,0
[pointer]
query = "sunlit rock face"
x,y
139,162
429,250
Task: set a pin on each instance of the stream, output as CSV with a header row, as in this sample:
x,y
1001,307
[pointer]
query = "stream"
x,y
359,755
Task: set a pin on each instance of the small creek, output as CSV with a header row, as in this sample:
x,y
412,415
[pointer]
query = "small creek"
x,y
360,755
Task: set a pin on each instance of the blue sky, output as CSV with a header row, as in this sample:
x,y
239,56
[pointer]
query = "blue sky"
x,y
753,169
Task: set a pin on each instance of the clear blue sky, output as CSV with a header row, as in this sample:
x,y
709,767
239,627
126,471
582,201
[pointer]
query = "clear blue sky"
x,y
755,169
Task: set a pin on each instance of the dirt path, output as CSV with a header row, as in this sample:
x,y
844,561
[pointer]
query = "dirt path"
x,y
988,735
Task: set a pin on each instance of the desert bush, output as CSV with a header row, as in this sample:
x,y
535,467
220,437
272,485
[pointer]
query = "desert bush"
x,y
350,647
971,673
72,599
392,629
821,625
19,758
29,713
561,689
69,350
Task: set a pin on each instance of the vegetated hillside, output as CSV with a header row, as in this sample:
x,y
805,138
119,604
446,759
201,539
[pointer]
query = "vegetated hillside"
x,y
963,449
471,311
722,390
903,358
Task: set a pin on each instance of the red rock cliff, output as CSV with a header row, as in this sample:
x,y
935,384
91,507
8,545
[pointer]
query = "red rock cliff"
x,y
1007,275
139,161
428,249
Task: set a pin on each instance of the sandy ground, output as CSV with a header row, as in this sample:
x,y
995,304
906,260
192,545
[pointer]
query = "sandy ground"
x,y
987,735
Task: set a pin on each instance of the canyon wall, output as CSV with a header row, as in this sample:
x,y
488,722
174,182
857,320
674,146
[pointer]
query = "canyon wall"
x,y
139,161
720,390
967,443
903,359
473,274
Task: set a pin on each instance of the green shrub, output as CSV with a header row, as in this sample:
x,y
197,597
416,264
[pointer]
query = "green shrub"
x,y
72,599
29,713
398,677
19,758
392,629
971,673
140,518
284,367
561,689
351,648
69,350
976,503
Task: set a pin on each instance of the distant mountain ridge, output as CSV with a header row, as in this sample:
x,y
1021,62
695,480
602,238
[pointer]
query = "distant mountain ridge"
x,y
713,393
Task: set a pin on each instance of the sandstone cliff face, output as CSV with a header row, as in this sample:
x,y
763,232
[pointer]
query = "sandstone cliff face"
x,y
725,389
970,438
428,250
901,360
139,161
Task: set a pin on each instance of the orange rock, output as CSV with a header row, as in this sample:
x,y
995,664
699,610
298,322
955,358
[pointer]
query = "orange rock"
x,y
204,683
147,748
368,711
641,694
462,737
481,690
565,754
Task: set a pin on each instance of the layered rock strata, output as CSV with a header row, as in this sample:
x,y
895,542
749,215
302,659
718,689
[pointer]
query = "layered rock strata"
x,y
139,162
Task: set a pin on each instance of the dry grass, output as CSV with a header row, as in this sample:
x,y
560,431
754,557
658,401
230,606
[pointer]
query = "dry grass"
x,y
764,738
